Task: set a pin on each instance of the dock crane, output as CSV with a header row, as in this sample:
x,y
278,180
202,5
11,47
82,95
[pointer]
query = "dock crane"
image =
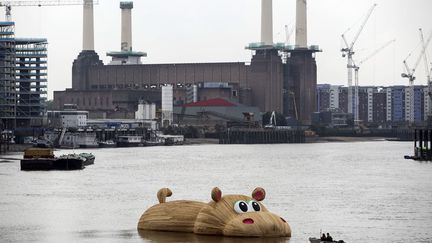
x,y
39,3
409,74
356,75
348,51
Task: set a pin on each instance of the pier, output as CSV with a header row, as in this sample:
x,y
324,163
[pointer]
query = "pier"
x,y
261,136
423,144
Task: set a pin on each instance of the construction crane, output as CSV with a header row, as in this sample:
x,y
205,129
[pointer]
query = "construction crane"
x,y
39,3
348,51
409,74
356,75
428,72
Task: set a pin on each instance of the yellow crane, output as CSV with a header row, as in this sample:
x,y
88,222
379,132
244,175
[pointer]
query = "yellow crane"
x,y
39,3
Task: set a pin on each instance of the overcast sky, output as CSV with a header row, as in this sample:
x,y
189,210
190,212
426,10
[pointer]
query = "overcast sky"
x,y
177,31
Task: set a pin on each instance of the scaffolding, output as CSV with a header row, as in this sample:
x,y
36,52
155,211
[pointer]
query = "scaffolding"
x,y
7,76
23,79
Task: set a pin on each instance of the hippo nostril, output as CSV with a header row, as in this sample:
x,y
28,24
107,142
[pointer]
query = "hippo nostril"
x,y
283,219
248,221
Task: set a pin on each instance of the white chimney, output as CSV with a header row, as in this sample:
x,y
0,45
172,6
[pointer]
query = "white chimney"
x,y
267,22
88,26
301,24
126,29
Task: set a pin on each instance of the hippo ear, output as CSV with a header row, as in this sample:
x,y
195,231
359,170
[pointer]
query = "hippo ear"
x,y
216,194
258,194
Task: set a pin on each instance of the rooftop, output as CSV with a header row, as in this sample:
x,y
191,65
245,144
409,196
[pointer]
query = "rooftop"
x,y
126,54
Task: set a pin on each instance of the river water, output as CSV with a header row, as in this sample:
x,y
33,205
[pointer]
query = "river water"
x,y
359,192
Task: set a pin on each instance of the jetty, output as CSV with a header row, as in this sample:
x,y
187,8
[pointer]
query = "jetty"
x,y
262,136
422,145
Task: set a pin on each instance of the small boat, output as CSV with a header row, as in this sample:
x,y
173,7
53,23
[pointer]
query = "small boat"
x,y
88,158
318,240
107,144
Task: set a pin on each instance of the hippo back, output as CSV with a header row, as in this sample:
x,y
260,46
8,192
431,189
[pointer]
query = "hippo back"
x,y
177,216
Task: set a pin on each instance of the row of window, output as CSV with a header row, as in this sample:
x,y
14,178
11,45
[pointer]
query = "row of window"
x,y
91,101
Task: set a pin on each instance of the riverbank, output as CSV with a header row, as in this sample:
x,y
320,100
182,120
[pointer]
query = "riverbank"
x,y
201,141
347,139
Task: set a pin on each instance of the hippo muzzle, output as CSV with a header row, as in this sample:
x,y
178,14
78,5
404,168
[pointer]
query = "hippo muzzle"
x,y
257,224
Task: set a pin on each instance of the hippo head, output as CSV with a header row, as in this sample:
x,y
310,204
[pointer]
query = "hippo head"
x,y
239,215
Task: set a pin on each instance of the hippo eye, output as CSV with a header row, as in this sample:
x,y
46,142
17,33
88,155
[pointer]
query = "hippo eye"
x,y
241,207
254,206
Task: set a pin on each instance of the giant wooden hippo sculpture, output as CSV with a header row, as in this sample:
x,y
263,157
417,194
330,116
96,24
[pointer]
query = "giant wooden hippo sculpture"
x,y
230,215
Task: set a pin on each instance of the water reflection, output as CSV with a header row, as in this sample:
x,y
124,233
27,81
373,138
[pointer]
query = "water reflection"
x,y
155,236
99,234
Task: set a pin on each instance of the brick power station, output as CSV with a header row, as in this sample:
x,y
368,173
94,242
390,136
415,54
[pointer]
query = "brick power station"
x,y
279,78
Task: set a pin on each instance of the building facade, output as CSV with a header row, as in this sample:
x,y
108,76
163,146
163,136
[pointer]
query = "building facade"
x,y
268,82
23,79
379,105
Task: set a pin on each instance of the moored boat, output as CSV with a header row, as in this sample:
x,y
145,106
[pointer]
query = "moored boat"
x,y
107,144
129,141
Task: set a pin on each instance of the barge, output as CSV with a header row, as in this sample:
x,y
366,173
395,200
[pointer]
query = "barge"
x,y
43,159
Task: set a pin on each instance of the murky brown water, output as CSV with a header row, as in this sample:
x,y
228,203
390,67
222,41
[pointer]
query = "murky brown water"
x,y
359,192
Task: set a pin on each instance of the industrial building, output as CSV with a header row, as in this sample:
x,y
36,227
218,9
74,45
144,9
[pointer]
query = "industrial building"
x,y
23,79
279,78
